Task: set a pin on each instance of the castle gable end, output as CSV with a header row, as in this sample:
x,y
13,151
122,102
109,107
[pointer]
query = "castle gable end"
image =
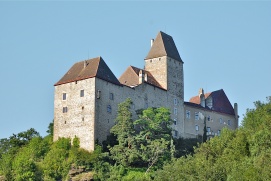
x,y
95,67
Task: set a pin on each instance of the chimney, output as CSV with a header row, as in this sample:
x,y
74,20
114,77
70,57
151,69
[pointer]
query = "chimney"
x,y
141,77
202,97
145,77
236,112
152,40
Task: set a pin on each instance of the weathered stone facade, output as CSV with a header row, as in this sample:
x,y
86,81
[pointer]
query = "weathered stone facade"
x,y
87,97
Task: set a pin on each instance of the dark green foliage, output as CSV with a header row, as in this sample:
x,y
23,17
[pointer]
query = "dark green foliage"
x,y
50,130
185,147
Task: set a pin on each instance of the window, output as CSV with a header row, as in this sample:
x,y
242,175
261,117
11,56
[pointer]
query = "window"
x,y
175,111
229,122
208,129
83,107
175,101
196,116
109,109
175,121
65,109
83,119
111,96
221,121
98,94
175,133
197,127
187,114
218,132
64,96
208,118
82,93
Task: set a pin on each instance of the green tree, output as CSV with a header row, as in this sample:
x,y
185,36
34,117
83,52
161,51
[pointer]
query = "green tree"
x,y
154,136
124,152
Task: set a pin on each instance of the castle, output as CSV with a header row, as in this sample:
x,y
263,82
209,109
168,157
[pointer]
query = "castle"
x,y
87,97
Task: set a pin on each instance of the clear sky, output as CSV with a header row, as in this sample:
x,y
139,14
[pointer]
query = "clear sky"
x,y
224,45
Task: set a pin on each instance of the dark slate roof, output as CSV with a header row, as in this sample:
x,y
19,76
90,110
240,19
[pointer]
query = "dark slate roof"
x,y
196,106
131,77
163,45
220,102
95,67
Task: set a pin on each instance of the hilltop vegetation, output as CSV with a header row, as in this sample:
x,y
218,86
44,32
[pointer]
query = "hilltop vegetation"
x,y
143,149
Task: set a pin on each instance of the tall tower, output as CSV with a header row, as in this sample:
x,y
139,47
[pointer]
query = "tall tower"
x,y
166,66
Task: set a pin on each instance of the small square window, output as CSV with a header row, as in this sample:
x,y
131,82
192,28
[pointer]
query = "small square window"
x,y
208,129
65,109
64,96
196,116
187,114
109,109
229,122
82,93
111,96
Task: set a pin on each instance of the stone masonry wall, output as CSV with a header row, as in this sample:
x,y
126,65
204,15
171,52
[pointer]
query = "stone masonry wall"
x,y
216,121
79,118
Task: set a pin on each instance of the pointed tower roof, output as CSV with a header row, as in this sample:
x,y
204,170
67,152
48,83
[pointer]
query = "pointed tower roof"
x,y
95,67
163,45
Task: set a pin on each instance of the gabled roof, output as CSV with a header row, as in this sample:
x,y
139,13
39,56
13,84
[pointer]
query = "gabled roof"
x,y
220,102
163,45
95,67
131,77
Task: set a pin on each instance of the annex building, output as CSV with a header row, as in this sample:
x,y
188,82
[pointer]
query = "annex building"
x,y
87,97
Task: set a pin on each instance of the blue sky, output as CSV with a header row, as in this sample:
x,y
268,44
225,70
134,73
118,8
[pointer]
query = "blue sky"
x,y
224,44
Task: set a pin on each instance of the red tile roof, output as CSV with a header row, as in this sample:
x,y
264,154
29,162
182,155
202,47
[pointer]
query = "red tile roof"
x,y
131,77
164,45
95,67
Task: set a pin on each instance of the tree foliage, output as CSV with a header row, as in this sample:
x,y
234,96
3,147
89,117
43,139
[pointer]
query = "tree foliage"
x,y
243,154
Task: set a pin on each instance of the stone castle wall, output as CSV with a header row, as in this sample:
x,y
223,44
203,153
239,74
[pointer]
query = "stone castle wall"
x,y
216,121
79,118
